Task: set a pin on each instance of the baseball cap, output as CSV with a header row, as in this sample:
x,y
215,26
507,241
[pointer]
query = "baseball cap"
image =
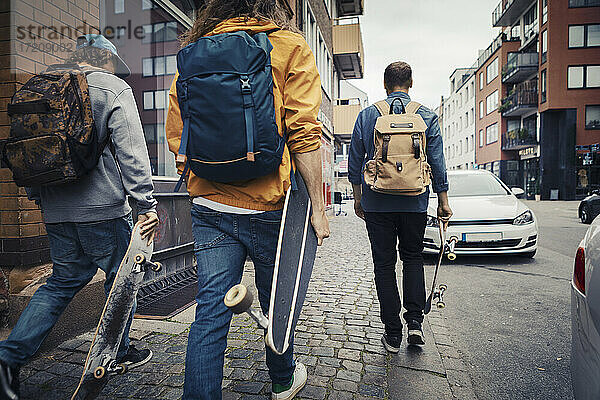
x,y
100,42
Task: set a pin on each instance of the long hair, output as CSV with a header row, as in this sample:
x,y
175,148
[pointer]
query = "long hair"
x,y
213,12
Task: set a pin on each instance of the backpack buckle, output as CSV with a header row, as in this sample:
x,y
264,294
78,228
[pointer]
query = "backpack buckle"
x,y
246,88
416,142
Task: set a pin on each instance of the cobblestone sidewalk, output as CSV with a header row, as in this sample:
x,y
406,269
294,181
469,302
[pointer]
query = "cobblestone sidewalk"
x,y
337,338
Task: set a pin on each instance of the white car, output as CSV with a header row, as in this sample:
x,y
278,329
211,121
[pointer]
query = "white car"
x,y
585,317
488,218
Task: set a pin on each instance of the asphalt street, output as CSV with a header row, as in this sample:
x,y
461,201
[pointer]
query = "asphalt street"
x,y
509,317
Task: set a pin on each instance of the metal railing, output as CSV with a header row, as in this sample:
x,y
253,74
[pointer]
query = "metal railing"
x,y
525,95
516,61
517,139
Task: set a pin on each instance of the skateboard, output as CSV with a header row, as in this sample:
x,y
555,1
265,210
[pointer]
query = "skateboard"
x,y
296,251
101,364
446,248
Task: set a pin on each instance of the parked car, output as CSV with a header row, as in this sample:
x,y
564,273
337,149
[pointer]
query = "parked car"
x,y
589,208
488,217
585,317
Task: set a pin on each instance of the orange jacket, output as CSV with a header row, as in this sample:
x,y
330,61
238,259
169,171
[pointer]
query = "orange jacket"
x,y
297,92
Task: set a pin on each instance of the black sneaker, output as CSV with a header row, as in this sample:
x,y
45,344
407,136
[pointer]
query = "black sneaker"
x,y
391,343
415,333
9,382
135,358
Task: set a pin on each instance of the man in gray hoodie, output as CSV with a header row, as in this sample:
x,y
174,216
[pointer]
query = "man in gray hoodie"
x,y
89,222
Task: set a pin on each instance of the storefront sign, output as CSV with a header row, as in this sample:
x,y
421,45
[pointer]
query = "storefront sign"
x,y
529,152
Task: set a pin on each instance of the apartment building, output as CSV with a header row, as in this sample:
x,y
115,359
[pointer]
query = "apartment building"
x,y
550,90
458,120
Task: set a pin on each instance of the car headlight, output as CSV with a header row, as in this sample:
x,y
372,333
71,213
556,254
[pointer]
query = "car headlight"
x,y
432,222
524,219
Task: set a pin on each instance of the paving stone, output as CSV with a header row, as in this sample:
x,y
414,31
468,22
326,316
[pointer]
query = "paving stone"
x,y
313,392
371,390
174,380
248,387
241,373
352,365
340,395
341,384
348,375
322,370
322,351
348,354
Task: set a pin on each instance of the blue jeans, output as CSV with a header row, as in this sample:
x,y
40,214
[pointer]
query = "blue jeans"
x,y
222,242
77,251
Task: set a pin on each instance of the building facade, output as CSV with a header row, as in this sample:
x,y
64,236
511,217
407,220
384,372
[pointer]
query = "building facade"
x,y
550,90
458,120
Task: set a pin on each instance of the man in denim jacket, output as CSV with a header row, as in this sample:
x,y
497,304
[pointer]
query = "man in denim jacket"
x,y
393,218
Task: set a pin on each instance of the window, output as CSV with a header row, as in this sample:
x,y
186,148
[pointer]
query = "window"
x,y
472,142
492,70
543,84
583,77
481,138
491,133
171,62
119,6
491,102
323,58
147,4
544,11
584,3
466,119
158,66
160,32
472,115
592,117
156,99
148,100
147,67
584,36
544,46
480,109
481,81
460,148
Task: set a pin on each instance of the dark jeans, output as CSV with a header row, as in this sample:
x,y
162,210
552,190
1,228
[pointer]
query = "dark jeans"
x,y
77,251
407,230
222,242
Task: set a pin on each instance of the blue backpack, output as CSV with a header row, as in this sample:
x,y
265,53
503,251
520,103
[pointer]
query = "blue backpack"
x,y
225,92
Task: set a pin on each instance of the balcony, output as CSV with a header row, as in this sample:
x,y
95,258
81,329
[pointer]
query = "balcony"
x,y
344,117
349,8
519,67
521,100
518,139
509,11
348,51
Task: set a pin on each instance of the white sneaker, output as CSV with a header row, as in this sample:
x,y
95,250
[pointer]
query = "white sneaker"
x,y
298,382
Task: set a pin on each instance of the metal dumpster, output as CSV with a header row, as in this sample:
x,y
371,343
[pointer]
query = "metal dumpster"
x,y
166,292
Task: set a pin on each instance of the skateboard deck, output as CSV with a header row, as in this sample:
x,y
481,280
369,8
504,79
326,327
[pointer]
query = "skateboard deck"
x,y
296,251
446,248
101,363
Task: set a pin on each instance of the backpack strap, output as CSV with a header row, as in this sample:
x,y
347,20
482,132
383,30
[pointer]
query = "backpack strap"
x,y
412,107
383,107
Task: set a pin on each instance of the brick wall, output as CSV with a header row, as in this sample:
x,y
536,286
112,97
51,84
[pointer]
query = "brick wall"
x,y
27,45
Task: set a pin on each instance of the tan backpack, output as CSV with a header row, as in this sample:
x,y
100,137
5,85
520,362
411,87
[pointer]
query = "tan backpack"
x,y
400,162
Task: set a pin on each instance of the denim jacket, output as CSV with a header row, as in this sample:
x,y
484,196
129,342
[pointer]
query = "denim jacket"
x,y
362,149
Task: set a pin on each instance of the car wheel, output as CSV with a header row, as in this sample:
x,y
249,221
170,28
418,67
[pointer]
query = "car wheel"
x,y
530,254
585,214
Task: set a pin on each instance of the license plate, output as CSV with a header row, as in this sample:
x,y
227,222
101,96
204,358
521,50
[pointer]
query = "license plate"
x,y
482,237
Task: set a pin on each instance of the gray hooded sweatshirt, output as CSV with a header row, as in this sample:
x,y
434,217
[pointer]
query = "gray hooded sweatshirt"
x,y
102,194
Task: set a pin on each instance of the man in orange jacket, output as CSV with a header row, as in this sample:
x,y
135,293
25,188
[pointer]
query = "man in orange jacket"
x,y
231,222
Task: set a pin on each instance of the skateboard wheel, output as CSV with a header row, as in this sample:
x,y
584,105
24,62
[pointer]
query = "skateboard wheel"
x,y
140,259
443,286
238,299
99,372
441,304
156,267
451,256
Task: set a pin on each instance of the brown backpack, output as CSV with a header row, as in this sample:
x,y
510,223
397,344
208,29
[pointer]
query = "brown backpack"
x,y
400,163
53,138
